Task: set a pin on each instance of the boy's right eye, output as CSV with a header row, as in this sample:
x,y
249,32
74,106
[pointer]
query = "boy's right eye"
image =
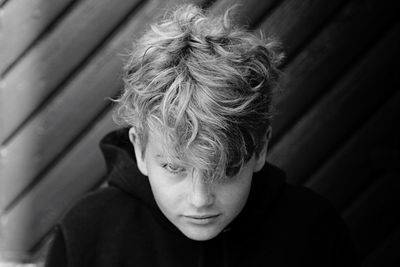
x,y
173,168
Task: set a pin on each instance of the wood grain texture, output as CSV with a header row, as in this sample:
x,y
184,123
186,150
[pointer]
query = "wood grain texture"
x,y
354,161
323,128
45,136
327,56
350,165
293,22
22,22
49,63
361,164
373,215
247,12
34,215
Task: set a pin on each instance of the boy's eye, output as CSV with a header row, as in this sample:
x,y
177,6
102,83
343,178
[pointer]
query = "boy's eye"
x,y
172,168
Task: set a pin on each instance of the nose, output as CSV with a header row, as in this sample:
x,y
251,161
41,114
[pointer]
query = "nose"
x,y
201,194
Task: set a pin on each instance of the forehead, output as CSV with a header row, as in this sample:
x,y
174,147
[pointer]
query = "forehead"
x,y
155,141
157,145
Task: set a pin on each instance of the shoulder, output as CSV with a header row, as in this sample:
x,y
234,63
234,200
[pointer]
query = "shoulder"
x,y
305,199
304,206
321,225
97,208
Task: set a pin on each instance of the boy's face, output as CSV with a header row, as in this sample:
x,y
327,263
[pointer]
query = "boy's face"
x,y
199,210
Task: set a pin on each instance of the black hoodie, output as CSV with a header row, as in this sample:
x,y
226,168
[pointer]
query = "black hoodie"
x,y
121,225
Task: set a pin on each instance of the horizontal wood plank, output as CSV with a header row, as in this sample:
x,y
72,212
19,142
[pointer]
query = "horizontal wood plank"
x,y
46,65
327,56
22,22
317,133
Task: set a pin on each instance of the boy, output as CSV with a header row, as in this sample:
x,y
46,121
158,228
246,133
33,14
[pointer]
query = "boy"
x,y
188,180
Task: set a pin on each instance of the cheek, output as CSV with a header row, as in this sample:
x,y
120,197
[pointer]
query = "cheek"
x,y
160,190
166,194
234,196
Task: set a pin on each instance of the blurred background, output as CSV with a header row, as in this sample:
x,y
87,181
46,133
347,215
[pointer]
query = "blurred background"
x,y
336,130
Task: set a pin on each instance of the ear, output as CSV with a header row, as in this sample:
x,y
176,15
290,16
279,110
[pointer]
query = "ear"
x,y
262,157
140,158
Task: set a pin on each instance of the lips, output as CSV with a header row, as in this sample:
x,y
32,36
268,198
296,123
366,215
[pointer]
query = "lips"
x,y
202,217
206,219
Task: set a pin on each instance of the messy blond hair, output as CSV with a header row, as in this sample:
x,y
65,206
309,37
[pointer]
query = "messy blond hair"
x,y
206,85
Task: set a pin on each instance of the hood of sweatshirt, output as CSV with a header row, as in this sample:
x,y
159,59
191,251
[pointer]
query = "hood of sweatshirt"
x,y
123,173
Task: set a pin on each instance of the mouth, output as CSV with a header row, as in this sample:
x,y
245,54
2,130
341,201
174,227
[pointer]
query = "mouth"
x,y
202,219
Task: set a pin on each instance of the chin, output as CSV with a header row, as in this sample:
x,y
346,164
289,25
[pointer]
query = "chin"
x,y
200,234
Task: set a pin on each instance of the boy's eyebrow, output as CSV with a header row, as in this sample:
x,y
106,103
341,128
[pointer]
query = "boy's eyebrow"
x,y
163,157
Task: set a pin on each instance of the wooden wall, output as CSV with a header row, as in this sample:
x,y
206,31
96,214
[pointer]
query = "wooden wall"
x,y
336,130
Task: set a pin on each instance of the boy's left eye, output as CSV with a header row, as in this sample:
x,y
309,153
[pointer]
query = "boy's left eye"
x,y
172,168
